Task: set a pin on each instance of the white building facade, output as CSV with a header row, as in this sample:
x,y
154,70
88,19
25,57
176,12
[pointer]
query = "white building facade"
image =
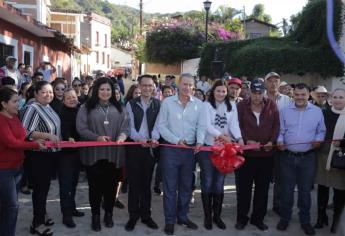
x,y
96,36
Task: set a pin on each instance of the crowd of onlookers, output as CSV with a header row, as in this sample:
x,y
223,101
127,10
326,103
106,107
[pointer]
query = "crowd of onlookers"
x,y
291,125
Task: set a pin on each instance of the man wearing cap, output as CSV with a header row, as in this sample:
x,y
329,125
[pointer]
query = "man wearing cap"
x,y
320,96
11,71
259,123
47,69
272,82
301,128
234,87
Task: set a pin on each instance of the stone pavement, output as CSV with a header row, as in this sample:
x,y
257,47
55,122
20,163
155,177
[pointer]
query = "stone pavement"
x,y
121,217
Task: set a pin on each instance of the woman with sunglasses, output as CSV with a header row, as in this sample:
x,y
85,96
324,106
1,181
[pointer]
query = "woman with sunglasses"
x,y
58,89
77,86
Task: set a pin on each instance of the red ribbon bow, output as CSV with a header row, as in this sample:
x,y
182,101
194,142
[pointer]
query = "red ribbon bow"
x,y
227,158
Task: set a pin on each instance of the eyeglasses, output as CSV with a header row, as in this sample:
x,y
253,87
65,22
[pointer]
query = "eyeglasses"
x,y
76,85
59,89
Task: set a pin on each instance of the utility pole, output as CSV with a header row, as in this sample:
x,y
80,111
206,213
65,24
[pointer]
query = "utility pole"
x,y
141,27
285,27
244,22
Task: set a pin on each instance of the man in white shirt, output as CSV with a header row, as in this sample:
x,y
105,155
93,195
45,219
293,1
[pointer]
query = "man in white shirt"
x,y
203,85
181,121
11,71
47,69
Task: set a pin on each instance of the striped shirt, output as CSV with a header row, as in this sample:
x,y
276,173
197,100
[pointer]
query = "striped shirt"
x,y
39,118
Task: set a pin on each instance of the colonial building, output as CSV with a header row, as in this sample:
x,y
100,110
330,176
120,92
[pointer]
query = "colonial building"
x,y
31,42
96,37
257,29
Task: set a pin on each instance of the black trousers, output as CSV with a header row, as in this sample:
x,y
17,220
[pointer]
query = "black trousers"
x,y
68,174
43,165
103,178
256,171
27,173
139,164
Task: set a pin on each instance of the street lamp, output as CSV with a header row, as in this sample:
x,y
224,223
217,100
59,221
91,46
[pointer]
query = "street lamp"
x,y
207,6
87,56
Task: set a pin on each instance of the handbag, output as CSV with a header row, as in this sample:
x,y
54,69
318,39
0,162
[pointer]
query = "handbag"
x,y
338,159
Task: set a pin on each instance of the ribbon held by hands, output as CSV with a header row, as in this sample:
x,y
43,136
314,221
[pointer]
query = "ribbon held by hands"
x,y
227,158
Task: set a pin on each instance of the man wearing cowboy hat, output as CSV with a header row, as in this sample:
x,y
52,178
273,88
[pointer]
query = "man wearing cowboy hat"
x,y
10,69
320,96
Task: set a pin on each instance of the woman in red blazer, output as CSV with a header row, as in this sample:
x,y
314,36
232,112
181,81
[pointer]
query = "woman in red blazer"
x,y
12,146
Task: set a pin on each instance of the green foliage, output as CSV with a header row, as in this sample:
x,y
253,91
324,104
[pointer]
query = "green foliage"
x,y
306,50
171,45
259,13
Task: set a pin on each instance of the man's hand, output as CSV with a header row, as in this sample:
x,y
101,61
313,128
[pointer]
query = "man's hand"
x,y
268,146
240,142
281,146
154,143
316,145
197,148
103,139
145,143
251,142
181,142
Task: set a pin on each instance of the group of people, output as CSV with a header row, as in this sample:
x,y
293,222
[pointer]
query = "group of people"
x,y
288,134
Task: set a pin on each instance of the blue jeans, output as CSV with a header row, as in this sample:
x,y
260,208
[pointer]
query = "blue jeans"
x,y
9,182
177,169
300,171
212,181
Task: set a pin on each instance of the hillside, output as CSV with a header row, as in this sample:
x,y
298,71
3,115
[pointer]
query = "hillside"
x,y
125,19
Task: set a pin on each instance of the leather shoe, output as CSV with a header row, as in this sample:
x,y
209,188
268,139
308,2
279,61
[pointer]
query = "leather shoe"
x,y
260,226
108,220
149,223
282,225
130,225
68,222
308,229
240,225
169,229
189,224
77,213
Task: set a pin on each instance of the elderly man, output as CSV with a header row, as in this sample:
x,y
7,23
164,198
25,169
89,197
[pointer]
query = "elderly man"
x,y
259,123
320,96
11,71
272,83
181,121
301,128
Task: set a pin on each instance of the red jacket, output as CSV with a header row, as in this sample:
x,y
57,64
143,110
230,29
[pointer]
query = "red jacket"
x,y
12,144
268,129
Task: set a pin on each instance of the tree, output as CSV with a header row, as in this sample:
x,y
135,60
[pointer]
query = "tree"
x,y
172,44
259,13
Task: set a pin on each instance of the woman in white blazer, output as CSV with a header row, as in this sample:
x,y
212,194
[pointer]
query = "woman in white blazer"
x,y
222,127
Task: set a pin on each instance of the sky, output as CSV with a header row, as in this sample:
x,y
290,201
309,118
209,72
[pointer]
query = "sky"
x,y
278,9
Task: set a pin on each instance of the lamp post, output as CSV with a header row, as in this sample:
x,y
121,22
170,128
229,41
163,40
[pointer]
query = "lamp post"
x,y
87,56
207,6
